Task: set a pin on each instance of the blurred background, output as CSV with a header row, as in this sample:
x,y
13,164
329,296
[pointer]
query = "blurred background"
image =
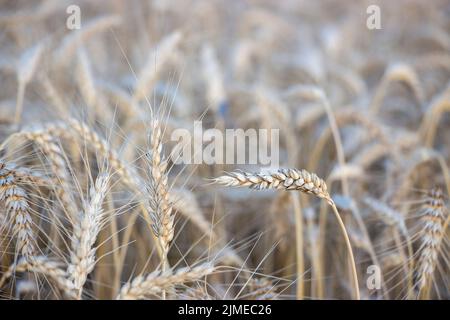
x,y
382,143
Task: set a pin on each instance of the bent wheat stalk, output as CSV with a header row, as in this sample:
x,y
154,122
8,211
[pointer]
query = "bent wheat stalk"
x,y
292,179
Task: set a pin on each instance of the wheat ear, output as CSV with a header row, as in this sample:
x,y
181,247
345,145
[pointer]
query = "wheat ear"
x,y
45,266
55,156
292,179
17,207
287,179
82,258
432,237
160,204
156,282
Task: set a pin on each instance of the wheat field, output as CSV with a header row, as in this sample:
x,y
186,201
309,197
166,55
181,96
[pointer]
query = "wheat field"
x,y
93,205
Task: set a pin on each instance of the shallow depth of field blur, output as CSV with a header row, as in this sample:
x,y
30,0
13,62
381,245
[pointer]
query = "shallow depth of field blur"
x,y
76,105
